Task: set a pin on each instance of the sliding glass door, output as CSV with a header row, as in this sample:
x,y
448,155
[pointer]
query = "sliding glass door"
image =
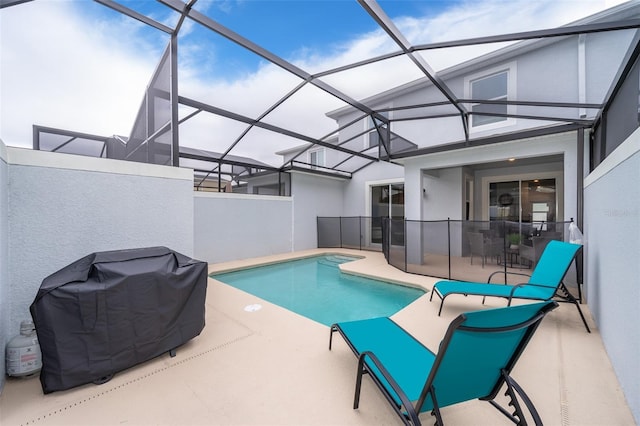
x,y
525,201
386,201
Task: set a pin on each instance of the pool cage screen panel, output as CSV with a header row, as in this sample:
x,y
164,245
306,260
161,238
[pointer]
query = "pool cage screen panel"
x,y
150,140
154,137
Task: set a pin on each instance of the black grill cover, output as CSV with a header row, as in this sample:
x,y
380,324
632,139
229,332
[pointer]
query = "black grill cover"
x,y
111,310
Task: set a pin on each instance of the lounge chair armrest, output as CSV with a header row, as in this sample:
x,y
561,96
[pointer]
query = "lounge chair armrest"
x,y
517,286
508,273
404,399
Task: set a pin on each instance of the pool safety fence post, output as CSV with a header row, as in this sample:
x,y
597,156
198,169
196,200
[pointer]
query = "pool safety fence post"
x,y
386,234
340,224
360,230
449,245
504,248
404,242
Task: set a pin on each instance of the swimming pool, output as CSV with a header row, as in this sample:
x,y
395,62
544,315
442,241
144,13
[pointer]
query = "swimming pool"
x,y
315,288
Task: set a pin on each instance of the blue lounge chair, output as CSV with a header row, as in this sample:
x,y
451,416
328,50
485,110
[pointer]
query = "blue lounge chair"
x,y
474,361
544,283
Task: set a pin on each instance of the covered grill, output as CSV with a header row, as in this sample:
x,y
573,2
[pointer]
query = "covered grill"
x,y
111,310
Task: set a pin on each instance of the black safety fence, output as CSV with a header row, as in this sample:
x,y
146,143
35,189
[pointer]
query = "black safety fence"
x,y
451,249
354,232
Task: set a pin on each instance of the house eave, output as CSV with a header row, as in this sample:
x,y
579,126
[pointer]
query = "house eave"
x,y
489,140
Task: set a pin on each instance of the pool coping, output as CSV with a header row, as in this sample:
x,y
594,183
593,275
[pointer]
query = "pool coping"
x,y
369,264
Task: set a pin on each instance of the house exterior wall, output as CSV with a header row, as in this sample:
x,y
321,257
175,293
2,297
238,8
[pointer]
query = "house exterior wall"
x,y
63,207
599,58
543,70
418,207
5,302
357,192
313,196
238,226
612,235
441,197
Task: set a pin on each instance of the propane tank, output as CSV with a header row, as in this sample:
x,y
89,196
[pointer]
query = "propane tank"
x,y
23,352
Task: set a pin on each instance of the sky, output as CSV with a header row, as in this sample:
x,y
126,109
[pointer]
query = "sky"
x,y
78,65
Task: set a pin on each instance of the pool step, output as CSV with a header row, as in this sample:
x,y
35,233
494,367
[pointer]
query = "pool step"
x,y
330,263
335,260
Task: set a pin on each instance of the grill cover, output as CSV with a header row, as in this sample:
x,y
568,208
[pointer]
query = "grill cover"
x,y
111,310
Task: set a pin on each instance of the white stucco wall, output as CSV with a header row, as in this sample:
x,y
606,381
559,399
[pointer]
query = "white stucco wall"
x,y
442,196
63,207
313,196
5,329
612,286
238,226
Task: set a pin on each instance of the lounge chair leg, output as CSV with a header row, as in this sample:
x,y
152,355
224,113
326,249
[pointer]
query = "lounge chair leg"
x,y
568,297
436,409
356,397
584,321
331,331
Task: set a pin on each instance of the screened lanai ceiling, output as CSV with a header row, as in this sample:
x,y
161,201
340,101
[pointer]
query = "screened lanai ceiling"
x,y
286,105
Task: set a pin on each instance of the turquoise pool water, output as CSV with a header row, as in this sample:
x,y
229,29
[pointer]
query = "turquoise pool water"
x,y
315,288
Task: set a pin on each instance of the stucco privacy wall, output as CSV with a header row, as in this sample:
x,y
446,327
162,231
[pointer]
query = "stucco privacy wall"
x,y
5,330
237,226
313,196
62,207
612,233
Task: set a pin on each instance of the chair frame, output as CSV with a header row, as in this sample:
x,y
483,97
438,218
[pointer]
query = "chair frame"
x,y
486,245
409,413
561,293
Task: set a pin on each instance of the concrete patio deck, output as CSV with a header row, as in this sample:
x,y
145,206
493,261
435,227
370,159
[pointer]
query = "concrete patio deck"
x,y
273,367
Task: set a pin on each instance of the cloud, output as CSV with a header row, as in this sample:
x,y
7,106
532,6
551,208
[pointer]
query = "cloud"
x,y
63,70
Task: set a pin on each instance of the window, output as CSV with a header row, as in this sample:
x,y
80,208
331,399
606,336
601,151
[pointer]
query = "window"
x,y
373,137
316,158
373,140
497,84
492,88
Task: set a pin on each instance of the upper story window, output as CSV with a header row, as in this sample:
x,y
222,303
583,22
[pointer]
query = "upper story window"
x,y
493,88
316,158
493,85
372,139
